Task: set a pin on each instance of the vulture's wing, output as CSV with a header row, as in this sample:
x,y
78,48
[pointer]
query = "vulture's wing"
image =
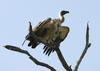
x,y
45,31
32,41
38,32
31,38
63,32
44,22
41,29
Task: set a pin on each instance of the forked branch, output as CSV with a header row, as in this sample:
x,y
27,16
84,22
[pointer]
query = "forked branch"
x,y
85,49
64,63
59,54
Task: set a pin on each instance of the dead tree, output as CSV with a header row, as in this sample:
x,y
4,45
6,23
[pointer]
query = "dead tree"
x,y
59,54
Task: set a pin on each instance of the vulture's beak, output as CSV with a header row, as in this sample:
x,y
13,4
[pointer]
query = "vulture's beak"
x,y
63,12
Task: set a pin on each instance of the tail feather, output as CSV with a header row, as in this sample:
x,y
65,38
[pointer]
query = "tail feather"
x,y
32,42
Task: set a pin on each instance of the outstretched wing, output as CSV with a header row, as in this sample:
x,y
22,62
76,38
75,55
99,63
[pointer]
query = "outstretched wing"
x,y
44,22
41,29
39,32
63,32
45,31
31,38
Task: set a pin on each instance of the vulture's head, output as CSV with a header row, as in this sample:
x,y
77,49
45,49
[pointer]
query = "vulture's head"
x,y
63,12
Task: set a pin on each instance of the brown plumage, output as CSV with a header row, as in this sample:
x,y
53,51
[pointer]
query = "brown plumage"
x,y
49,32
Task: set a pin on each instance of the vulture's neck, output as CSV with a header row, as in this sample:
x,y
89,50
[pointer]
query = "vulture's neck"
x,y
61,17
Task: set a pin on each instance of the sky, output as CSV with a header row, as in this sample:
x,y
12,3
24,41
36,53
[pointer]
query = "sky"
x,y
14,18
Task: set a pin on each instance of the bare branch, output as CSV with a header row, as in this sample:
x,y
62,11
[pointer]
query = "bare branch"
x,y
59,54
17,49
85,49
62,60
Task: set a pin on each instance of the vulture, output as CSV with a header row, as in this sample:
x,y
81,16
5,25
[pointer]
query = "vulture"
x,y
49,32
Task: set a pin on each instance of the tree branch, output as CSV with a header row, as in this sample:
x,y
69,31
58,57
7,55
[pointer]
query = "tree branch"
x,y
59,54
84,51
17,49
62,60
